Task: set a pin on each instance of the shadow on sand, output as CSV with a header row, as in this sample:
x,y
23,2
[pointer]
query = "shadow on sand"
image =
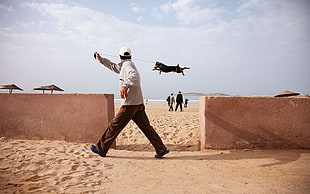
x,y
281,156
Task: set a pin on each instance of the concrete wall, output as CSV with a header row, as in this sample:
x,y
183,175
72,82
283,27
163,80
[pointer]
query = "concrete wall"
x,y
69,117
254,122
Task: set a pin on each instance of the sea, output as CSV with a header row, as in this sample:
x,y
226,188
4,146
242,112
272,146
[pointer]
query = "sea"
x,y
158,101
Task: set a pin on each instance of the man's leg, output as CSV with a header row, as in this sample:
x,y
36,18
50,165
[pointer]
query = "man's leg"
x,y
143,123
171,107
118,123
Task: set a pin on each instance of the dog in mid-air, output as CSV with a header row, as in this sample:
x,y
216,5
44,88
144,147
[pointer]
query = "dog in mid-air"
x,y
165,68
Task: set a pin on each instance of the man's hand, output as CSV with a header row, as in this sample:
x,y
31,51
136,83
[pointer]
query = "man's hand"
x,y
97,56
124,92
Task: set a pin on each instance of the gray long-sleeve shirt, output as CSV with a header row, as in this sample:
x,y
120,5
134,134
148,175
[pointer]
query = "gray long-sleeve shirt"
x,y
128,77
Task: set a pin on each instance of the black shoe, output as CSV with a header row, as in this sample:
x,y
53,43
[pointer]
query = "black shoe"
x,y
94,149
162,154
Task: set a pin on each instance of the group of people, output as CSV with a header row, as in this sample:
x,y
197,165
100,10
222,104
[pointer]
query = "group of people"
x,y
178,101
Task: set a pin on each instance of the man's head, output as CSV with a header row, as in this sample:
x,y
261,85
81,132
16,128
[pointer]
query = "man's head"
x,y
125,53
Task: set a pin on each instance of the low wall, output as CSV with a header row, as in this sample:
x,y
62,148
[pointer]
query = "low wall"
x,y
69,117
254,122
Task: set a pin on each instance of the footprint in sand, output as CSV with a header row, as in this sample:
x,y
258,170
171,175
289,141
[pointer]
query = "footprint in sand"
x,y
66,178
74,167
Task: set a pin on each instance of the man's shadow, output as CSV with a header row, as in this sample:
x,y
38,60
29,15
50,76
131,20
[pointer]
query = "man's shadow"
x,y
281,156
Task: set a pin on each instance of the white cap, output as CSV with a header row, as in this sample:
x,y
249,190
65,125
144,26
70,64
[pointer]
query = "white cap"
x,y
125,52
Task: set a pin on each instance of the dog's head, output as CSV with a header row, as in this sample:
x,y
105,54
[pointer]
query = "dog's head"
x,y
156,64
159,64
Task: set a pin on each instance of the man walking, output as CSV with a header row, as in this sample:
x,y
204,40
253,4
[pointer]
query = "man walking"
x,y
179,101
132,107
171,101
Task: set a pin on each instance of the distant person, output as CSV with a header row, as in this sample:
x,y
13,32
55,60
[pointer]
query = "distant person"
x,y
171,101
186,102
179,101
168,100
132,107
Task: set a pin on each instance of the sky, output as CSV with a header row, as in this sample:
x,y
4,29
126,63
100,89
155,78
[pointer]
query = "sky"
x,y
236,47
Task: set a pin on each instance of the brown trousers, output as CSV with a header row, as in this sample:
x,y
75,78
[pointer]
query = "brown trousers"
x,y
125,114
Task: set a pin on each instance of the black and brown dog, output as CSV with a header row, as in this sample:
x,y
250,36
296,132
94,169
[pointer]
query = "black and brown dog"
x,y
165,68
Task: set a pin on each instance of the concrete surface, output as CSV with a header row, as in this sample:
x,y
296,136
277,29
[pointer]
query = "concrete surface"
x,y
69,117
254,122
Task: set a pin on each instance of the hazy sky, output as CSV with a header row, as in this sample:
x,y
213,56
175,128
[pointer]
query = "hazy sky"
x,y
245,47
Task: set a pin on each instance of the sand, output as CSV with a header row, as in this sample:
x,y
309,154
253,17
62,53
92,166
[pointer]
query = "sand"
x,y
42,166
179,130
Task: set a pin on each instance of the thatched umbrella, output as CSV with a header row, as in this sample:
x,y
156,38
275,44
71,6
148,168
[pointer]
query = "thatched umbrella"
x,y
11,88
51,87
286,93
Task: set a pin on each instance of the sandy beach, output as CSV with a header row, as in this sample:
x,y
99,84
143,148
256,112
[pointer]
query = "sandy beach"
x,y
42,166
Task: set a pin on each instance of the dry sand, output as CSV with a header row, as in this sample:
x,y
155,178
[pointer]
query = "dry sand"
x,y
41,166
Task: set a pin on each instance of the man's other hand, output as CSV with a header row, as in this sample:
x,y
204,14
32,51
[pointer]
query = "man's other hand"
x,y
124,92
